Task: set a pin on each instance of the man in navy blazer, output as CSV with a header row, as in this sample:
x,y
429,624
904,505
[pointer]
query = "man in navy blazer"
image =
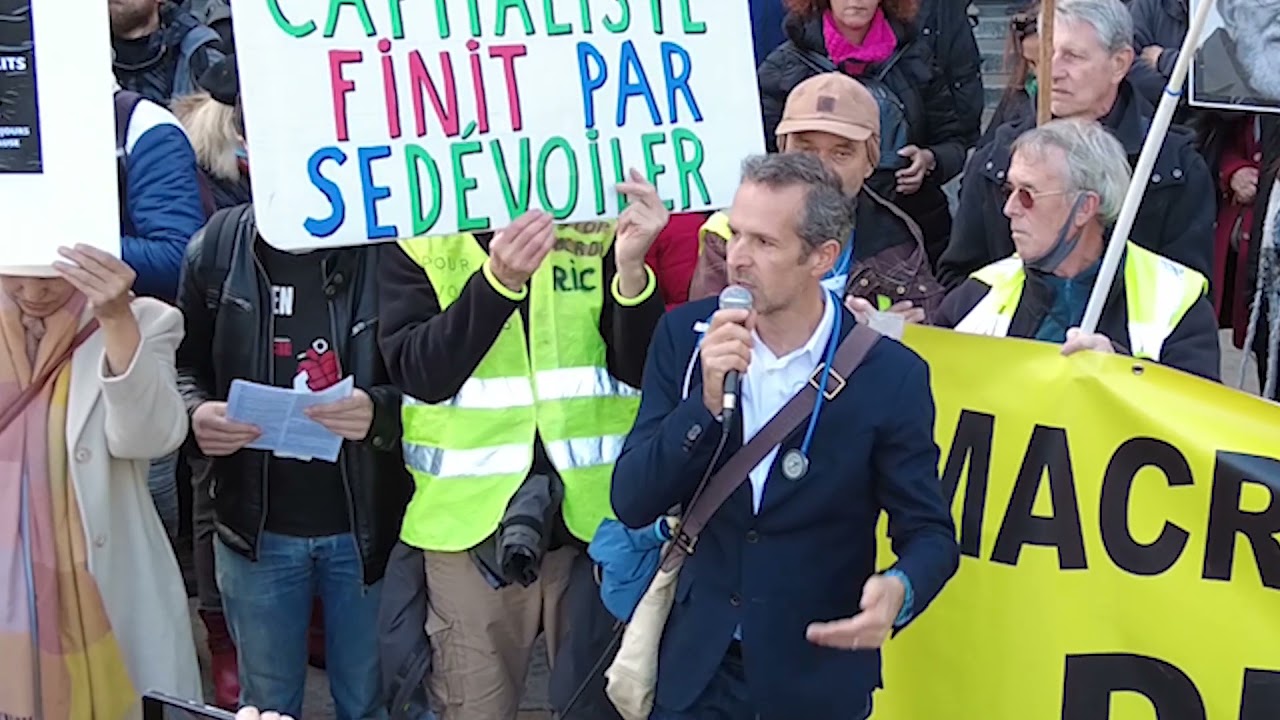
x,y
780,612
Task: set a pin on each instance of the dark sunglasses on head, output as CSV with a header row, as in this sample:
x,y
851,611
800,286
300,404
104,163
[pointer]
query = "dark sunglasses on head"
x,y
1024,26
1026,198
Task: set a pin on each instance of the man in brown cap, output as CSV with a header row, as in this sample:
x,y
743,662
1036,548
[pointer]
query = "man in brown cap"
x,y
834,117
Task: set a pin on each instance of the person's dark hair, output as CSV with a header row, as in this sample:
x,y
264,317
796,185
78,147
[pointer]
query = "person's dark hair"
x,y
1022,25
902,10
828,213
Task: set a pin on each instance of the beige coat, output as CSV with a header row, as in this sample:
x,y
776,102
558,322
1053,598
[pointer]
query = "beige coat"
x,y
114,427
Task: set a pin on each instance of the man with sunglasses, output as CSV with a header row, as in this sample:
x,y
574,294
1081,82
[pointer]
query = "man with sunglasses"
x,y
1092,80
1066,183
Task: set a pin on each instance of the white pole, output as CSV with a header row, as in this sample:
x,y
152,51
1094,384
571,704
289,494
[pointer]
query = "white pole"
x,y
1142,173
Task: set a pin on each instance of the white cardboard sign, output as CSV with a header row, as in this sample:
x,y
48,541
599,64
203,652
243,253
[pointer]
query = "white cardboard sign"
x,y
57,137
371,120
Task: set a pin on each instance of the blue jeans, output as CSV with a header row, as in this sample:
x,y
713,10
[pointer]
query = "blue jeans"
x,y
268,609
162,480
726,698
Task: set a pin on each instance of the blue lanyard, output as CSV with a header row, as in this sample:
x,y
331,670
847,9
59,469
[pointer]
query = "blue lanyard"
x,y
844,262
832,342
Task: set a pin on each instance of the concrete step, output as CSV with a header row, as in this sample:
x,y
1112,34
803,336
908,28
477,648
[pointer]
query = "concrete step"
x,y
993,20
992,34
992,60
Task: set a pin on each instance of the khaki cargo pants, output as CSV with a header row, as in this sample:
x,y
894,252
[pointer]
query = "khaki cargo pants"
x,y
482,639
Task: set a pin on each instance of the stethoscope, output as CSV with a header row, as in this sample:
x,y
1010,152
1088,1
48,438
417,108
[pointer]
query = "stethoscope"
x,y
839,274
846,260
795,462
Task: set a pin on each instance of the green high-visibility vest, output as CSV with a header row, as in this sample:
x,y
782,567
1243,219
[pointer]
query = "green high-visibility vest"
x,y
1158,294
469,454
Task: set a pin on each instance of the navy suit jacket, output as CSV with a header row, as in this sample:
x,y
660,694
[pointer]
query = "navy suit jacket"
x,y
807,554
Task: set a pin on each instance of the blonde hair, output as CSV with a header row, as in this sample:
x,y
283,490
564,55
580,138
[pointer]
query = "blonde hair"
x,y
211,126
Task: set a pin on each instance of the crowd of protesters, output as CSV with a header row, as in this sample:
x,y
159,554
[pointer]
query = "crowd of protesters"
x,y
129,490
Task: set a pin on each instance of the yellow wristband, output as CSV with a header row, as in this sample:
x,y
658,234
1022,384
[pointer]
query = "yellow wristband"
x,y
651,284
503,290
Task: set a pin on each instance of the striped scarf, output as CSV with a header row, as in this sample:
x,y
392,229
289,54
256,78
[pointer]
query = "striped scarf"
x,y
1266,294
61,660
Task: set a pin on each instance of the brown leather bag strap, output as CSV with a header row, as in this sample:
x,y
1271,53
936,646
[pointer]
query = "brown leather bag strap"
x,y
720,486
14,411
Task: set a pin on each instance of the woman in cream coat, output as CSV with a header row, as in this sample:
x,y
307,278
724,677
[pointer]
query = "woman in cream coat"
x,y
87,399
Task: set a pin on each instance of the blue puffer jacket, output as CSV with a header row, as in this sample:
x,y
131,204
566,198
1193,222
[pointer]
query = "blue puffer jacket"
x,y
163,209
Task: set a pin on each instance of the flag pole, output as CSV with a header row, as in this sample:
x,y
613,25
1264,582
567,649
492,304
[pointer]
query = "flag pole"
x,y
1142,173
1044,71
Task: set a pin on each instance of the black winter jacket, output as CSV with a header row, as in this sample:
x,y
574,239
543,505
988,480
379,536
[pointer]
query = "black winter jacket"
x,y
944,27
930,106
169,62
227,193
1176,218
233,341
1192,347
1163,23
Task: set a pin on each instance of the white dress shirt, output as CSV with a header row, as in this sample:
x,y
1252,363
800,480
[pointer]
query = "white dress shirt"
x,y
770,381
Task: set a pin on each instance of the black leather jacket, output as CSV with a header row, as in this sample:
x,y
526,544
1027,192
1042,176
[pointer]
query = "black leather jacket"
x,y
232,341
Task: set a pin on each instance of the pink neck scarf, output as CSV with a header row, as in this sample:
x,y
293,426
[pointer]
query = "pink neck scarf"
x,y
876,47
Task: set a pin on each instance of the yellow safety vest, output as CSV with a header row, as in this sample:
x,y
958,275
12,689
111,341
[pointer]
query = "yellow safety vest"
x,y
1158,294
469,454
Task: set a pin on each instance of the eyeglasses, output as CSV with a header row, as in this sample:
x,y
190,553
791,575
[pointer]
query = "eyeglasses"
x,y
1026,198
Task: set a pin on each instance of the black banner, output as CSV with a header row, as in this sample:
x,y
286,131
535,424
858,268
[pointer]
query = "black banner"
x,y
19,112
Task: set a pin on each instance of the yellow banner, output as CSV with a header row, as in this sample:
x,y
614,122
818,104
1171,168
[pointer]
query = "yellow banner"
x,y
1119,538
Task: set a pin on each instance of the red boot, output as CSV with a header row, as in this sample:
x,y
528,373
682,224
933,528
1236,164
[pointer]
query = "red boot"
x,y
315,636
226,669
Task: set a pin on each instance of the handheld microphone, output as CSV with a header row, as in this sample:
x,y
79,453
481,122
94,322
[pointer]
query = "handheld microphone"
x,y
734,297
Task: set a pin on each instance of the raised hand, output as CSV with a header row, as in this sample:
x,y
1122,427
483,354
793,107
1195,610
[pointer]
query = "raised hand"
x,y
518,250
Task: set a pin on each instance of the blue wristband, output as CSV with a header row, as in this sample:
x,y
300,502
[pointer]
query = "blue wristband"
x,y
662,529
908,599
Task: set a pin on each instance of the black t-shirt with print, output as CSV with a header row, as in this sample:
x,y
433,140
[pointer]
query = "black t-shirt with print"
x,y
304,499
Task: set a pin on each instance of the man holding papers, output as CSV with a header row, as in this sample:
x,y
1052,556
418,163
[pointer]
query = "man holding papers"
x,y
289,398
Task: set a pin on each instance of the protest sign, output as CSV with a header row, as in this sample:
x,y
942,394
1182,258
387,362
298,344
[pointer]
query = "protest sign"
x,y
1237,57
57,164
1118,528
371,120
19,117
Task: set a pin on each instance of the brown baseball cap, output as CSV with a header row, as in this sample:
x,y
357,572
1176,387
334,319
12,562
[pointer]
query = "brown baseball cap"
x,y
833,103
